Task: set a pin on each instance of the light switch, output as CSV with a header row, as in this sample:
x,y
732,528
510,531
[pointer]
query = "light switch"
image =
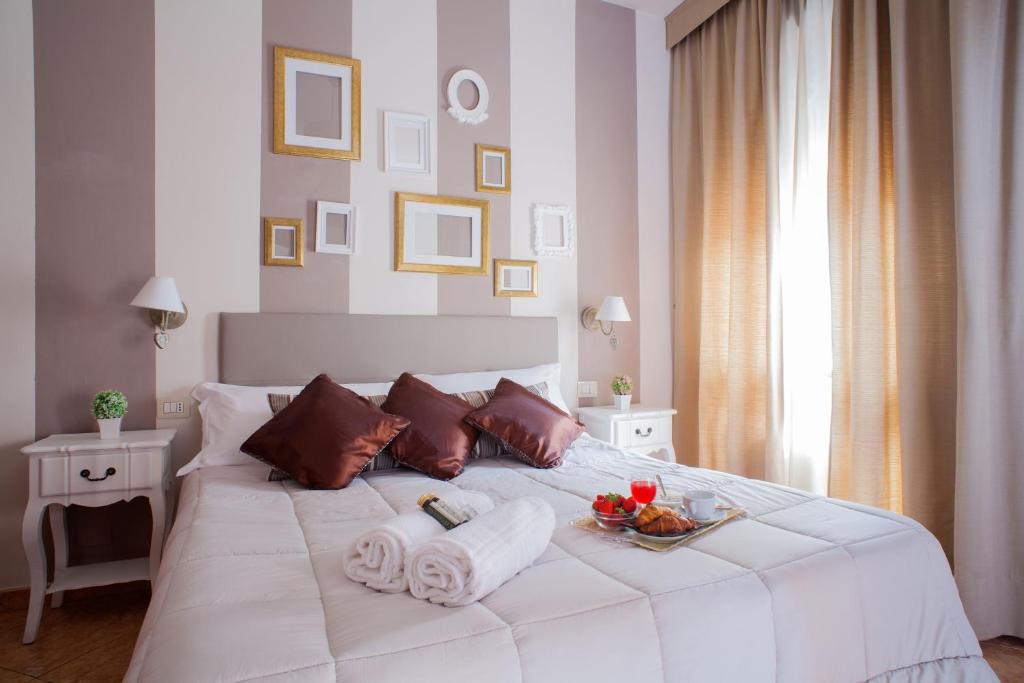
x,y
174,409
586,389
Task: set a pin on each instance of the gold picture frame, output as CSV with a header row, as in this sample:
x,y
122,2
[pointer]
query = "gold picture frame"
x,y
409,204
504,288
287,140
271,227
484,183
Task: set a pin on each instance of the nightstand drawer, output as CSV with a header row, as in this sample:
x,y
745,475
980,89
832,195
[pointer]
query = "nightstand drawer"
x,y
643,432
96,472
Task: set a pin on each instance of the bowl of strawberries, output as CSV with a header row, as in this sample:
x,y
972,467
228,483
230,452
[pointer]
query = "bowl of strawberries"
x,y
614,511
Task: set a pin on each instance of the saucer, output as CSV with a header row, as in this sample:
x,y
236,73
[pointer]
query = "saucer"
x,y
716,516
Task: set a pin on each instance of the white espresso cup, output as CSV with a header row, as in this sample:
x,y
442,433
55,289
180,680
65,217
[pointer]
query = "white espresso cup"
x,y
699,504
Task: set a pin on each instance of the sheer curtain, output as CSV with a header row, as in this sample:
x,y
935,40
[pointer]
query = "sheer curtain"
x,y
804,64
750,101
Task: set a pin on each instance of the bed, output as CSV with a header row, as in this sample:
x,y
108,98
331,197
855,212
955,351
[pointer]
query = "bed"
x,y
803,589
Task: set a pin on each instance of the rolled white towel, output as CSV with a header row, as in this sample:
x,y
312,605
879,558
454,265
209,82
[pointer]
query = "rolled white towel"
x,y
465,564
377,557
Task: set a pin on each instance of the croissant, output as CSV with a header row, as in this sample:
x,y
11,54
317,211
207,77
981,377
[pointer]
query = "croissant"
x,y
658,521
649,514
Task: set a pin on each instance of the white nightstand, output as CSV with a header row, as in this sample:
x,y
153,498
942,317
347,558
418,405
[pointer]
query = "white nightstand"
x,y
82,469
647,430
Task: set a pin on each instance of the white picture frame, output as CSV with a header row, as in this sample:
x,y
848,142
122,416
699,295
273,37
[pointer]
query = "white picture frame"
x,y
397,126
458,111
324,243
565,217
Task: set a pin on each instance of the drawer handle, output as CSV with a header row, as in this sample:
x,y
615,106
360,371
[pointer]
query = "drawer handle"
x,y
650,430
109,473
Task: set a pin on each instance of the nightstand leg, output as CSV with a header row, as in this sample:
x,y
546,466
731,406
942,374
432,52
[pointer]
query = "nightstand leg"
x,y
60,548
156,543
35,552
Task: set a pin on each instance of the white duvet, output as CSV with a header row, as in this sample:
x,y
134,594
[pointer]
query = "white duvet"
x,y
806,589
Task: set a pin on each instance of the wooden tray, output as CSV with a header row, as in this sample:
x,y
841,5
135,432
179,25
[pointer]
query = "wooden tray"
x,y
629,536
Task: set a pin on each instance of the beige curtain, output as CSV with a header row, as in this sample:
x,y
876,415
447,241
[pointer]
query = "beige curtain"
x,y
893,268
926,260
750,111
988,103
721,242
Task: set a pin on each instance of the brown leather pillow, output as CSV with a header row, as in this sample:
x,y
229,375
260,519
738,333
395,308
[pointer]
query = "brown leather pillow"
x,y
325,436
438,441
530,427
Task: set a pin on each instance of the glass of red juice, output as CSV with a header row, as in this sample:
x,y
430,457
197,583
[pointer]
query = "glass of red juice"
x,y
643,490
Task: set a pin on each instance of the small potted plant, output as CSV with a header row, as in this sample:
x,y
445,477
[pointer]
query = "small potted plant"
x,y
622,390
108,407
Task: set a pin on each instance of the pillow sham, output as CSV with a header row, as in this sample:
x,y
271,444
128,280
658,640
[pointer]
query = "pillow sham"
x,y
530,427
457,382
230,413
325,436
438,441
382,461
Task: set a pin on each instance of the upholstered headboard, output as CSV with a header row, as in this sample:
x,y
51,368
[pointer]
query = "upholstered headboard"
x,y
292,348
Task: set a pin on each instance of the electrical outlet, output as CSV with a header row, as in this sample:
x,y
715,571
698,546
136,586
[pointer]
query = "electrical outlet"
x,y
174,408
586,389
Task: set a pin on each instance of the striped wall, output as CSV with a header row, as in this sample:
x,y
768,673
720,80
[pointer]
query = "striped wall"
x,y
140,142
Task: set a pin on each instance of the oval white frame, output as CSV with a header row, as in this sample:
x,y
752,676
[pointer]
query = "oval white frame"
x,y
477,114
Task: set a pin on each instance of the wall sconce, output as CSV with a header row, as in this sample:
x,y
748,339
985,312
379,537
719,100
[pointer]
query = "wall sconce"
x,y
613,310
166,309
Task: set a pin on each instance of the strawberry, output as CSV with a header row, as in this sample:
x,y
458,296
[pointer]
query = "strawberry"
x,y
606,507
629,505
597,503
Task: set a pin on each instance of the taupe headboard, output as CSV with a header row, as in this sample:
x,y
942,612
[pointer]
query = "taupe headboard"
x,y
292,348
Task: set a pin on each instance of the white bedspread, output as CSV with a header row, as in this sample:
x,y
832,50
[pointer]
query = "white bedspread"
x,y
805,589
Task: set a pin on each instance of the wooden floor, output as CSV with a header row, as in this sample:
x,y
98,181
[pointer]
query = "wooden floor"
x,y
91,638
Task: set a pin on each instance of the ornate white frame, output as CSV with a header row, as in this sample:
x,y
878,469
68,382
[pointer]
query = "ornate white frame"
x,y
568,217
322,245
420,122
477,114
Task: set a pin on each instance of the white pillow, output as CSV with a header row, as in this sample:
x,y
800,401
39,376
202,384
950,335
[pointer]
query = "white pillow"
x,y
231,413
457,382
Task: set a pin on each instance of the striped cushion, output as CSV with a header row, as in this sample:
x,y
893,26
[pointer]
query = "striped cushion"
x,y
382,461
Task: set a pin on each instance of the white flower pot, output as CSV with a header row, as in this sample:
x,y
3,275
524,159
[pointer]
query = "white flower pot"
x,y
110,428
622,401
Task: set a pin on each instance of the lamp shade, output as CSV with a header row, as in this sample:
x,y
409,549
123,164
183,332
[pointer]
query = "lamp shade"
x,y
613,309
160,294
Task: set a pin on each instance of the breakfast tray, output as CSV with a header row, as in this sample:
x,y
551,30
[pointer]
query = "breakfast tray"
x,y
630,536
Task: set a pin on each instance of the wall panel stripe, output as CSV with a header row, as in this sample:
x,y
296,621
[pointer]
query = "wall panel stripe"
x,y
654,230
17,277
94,208
475,35
208,92
606,184
397,43
94,84
291,185
544,157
